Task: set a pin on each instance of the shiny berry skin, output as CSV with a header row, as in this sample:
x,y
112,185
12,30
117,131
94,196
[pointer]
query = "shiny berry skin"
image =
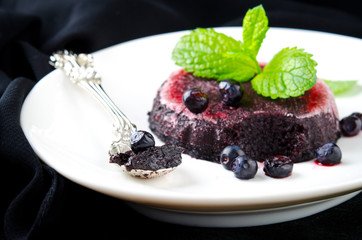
x,y
359,115
329,154
351,125
141,140
278,166
244,167
229,154
195,100
230,92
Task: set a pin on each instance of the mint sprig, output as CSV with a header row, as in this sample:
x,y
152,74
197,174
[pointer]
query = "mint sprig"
x,y
209,54
290,73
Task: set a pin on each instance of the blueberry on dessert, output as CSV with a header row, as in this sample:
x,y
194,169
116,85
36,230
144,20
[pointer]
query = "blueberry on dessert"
x,y
244,167
230,92
195,100
329,154
141,140
229,154
278,166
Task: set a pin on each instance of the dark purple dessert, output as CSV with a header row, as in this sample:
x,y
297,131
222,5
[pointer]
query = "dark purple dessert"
x,y
262,127
152,158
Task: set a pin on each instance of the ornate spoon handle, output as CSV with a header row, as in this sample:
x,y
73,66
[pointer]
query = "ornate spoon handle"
x,y
80,69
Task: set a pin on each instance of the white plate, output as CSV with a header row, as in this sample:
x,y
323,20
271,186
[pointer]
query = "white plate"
x,y
71,132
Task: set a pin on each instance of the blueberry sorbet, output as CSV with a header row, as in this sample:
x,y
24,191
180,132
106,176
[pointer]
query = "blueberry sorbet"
x,y
261,126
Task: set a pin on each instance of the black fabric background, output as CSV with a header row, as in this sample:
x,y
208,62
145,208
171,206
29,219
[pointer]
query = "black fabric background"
x,y
38,203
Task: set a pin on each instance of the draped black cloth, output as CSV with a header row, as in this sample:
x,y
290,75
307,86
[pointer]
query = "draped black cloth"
x,y
37,202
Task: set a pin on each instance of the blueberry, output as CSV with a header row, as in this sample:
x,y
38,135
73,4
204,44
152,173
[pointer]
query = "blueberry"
x,y
359,115
244,167
141,140
195,100
278,166
228,155
329,154
230,92
351,125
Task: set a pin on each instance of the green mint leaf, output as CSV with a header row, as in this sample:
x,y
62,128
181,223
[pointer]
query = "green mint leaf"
x,y
338,87
238,65
207,53
290,73
255,26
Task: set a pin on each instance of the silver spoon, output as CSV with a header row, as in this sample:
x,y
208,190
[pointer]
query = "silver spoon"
x,y
80,70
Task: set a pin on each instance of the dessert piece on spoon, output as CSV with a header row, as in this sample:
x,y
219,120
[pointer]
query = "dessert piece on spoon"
x,y
133,150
